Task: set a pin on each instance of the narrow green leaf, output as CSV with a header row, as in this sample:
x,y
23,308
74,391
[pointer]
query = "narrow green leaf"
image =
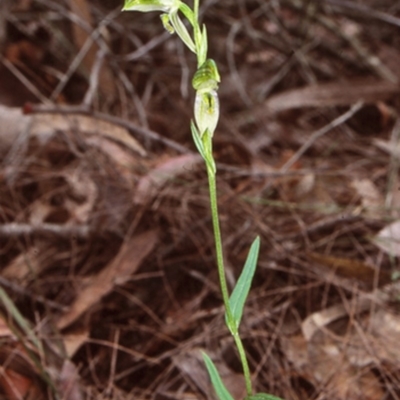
x,y
242,288
197,140
187,12
19,318
262,396
220,388
203,48
208,156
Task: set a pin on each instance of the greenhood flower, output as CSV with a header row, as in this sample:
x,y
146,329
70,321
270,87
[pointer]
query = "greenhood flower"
x,y
206,107
166,6
170,18
206,111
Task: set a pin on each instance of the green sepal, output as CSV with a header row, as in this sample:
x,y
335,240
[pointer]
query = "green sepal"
x,y
219,387
167,23
242,288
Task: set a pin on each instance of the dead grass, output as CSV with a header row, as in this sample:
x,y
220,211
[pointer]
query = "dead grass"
x,y
106,244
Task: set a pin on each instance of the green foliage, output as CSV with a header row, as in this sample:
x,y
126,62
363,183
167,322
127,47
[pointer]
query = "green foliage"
x,y
220,389
24,332
242,288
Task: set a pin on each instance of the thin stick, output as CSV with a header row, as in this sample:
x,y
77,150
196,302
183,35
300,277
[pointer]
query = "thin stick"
x,y
363,10
94,78
15,230
23,79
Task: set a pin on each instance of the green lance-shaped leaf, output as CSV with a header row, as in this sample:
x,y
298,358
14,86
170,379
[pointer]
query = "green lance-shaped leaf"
x,y
197,140
204,147
209,159
220,389
262,396
242,288
188,13
202,42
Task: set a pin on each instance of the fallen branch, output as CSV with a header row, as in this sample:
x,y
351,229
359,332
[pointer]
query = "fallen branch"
x,y
16,230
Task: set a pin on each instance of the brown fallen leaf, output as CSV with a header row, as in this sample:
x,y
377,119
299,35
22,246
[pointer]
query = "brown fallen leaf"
x,y
371,198
74,340
117,272
122,158
331,95
17,386
13,126
350,268
16,127
388,239
29,263
68,382
18,376
165,171
46,124
326,360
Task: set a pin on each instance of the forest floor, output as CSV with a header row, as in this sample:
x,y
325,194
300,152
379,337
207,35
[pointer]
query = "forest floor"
x,y
108,282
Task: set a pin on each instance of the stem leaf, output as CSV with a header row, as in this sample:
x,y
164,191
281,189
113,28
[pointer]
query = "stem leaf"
x,y
202,43
197,140
242,288
188,13
220,388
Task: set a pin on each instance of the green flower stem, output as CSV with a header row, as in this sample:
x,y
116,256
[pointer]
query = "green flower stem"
x,y
222,279
196,11
245,364
218,242
206,112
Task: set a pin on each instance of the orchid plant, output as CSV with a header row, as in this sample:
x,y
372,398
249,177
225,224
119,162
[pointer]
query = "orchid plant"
x,y
206,115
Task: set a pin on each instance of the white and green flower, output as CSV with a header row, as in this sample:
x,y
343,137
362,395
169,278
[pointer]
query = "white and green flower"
x,y
170,17
206,111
